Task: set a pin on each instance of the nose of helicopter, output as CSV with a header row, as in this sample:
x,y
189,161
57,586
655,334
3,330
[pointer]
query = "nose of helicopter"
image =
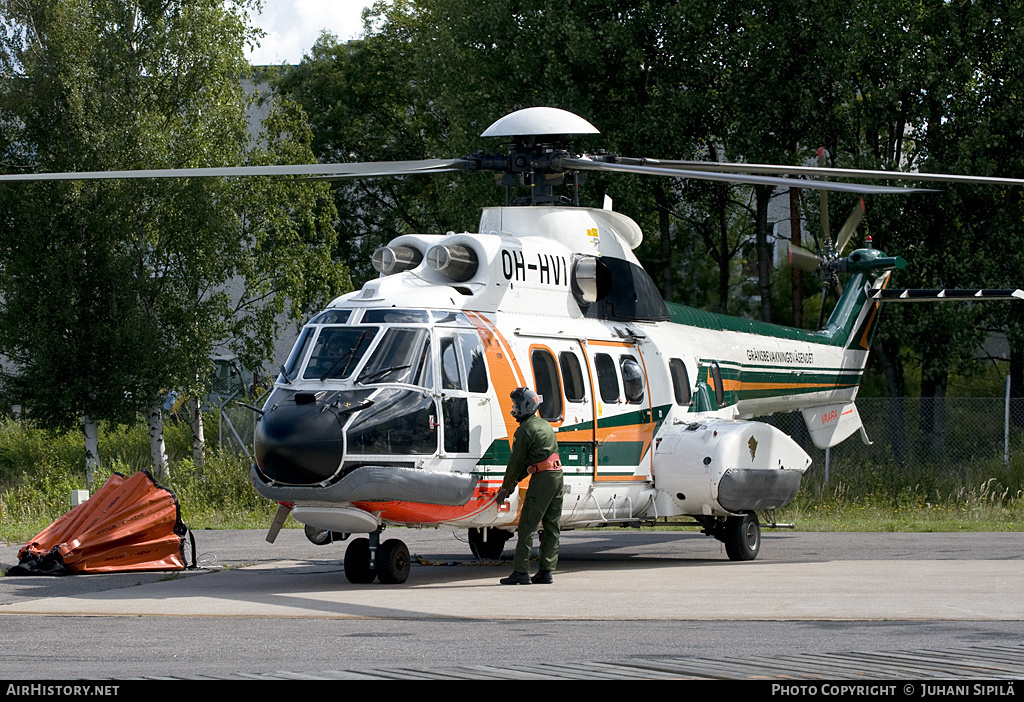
x,y
300,438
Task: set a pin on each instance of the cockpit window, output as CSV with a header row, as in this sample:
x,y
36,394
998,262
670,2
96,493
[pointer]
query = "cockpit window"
x,y
395,316
338,351
451,376
402,356
462,362
442,317
476,371
332,317
295,357
401,422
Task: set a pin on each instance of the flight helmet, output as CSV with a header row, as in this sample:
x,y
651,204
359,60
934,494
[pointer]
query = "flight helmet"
x,y
524,402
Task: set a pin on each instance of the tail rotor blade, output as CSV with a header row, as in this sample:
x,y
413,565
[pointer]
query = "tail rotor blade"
x,y
803,259
849,226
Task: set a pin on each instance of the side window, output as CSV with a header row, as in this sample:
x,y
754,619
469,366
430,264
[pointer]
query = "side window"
x,y
545,377
607,379
473,353
572,376
716,378
462,363
451,378
632,379
680,381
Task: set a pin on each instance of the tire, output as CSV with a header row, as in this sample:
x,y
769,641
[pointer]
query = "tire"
x,y
393,563
357,562
742,537
490,549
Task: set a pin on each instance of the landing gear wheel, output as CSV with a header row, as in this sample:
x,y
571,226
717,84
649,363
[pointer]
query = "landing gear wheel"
x,y
357,562
490,548
393,562
742,537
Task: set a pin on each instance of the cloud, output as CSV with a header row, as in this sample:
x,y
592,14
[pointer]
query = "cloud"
x,y
292,26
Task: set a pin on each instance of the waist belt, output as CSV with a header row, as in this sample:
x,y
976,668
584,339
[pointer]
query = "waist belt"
x,y
551,463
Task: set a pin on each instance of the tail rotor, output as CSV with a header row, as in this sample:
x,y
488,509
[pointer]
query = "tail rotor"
x,y
826,261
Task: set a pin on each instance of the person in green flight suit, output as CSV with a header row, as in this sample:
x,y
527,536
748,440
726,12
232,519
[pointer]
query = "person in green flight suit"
x,y
534,452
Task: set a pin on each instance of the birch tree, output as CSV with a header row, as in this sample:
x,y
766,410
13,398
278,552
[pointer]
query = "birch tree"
x,y
113,290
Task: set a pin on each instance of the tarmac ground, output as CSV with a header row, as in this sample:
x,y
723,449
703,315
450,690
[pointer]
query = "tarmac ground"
x,y
619,582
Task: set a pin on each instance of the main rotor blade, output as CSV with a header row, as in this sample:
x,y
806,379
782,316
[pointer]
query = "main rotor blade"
x,y
826,172
330,170
622,166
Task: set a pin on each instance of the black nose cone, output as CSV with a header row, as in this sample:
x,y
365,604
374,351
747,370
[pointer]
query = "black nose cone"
x,y
300,439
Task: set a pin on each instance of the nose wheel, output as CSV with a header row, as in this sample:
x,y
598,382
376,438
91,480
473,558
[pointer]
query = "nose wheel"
x,y
368,559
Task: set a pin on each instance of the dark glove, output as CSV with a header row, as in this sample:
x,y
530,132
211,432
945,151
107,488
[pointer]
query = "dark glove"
x,y
503,494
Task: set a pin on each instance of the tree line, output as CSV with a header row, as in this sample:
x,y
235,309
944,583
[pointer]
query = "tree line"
x,y
928,85
113,292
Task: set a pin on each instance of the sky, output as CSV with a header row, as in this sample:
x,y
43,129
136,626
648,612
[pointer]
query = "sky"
x,y
293,25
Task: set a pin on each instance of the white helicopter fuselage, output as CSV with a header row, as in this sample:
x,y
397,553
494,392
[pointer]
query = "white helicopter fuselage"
x,y
650,402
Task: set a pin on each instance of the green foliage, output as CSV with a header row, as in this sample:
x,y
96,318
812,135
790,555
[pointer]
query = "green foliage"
x,y
116,290
983,496
39,468
897,85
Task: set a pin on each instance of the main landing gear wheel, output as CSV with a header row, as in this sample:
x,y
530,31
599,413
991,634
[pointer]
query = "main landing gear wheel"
x,y
742,537
357,562
488,543
389,562
393,562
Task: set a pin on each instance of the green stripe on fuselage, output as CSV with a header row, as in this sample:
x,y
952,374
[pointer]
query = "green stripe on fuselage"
x,y
612,453
801,380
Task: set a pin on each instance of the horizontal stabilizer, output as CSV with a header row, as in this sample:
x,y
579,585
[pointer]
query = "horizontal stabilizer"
x,y
945,295
830,425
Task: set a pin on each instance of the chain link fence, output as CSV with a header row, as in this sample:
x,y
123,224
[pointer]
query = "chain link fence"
x,y
924,445
235,426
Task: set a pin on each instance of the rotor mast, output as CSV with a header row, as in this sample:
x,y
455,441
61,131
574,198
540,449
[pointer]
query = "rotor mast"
x,y
541,140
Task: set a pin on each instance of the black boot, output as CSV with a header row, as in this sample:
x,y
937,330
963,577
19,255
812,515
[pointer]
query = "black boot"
x,y
543,577
516,578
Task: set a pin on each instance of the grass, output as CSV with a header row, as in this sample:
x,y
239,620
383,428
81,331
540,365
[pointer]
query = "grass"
x,y
39,469
988,498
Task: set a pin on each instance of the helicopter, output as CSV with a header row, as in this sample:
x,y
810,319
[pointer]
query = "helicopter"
x,y
392,409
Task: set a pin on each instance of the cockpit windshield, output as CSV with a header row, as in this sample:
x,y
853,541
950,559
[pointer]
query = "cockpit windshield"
x,y
402,356
388,346
338,351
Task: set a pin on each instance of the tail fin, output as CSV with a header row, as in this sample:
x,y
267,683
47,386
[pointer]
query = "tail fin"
x,y
829,425
852,323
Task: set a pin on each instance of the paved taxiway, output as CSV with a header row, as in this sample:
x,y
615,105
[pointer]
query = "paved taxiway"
x,y
602,575
674,582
